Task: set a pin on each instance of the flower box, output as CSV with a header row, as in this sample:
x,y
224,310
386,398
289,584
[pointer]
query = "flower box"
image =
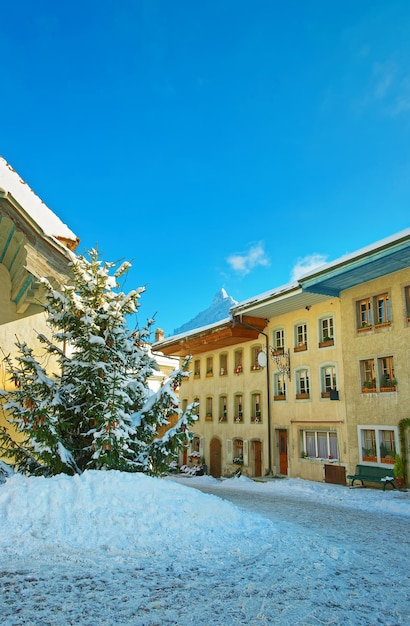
x,y
278,398
302,396
382,325
300,348
326,344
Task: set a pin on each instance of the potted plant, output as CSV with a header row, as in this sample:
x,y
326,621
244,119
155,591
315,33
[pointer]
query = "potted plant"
x,y
398,471
369,386
387,383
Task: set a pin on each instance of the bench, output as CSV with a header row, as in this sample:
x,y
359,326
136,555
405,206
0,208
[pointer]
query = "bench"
x,y
369,474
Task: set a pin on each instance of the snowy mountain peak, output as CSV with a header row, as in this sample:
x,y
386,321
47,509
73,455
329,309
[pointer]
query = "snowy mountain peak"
x,y
218,310
220,296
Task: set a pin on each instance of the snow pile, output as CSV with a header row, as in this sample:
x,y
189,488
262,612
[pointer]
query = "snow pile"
x,y
130,514
108,548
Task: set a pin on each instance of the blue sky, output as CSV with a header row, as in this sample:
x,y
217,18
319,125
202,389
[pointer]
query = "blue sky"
x,y
212,144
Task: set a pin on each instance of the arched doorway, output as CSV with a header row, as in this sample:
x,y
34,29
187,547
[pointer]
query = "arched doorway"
x,y
215,458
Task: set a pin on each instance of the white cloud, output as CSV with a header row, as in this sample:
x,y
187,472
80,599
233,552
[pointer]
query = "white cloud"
x,y
307,264
244,263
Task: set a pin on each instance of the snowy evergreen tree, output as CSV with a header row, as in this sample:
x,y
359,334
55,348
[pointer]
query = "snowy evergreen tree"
x,y
97,412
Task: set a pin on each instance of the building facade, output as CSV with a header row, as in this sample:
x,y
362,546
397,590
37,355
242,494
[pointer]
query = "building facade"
x,y
34,244
316,377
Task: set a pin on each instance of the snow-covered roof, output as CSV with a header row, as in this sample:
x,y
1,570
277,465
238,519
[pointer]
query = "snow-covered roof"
x,y
51,225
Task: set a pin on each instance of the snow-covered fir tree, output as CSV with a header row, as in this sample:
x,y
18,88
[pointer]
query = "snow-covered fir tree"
x,y
97,411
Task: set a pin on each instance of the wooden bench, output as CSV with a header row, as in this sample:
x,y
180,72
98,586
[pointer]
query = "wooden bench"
x,y
369,474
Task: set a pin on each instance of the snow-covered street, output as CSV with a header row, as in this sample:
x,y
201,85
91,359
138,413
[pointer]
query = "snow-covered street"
x,y
108,548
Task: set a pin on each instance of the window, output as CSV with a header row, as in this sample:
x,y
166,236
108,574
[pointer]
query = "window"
x,y
320,444
383,309
209,366
300,338
328,380
254,357
238,361
223,409
197,368
386,372
238,417
302,384
223,364
196,410
326,332
373,311
368,377
238,451
365,318
279,339
256,413
209,403
407,301
378,444
279,386
184,405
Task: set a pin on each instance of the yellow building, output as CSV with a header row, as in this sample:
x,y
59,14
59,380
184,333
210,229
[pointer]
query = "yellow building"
x,y
34,243
282,384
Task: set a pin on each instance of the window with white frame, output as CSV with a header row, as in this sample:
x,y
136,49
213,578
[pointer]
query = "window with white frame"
x,y
254,357
300,337
302,384
223,364
279,339
223,408
326,330
238,451
378,444
279,386
238,403
238,361
318,444
256,409
208,404
327,380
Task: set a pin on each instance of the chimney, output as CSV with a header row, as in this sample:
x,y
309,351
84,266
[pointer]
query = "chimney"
x,y
159,335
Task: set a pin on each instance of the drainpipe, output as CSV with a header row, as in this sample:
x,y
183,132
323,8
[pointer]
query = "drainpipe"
x,y
239,318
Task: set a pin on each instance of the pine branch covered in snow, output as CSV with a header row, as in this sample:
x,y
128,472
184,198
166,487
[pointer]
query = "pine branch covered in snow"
x,y
96,412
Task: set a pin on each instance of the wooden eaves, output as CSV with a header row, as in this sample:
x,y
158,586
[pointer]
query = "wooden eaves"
x,y
215,337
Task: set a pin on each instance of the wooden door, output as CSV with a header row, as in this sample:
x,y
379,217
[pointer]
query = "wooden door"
x,y
257,457
215,458
283,452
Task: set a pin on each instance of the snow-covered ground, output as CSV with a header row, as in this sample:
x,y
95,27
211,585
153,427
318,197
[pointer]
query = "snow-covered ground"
x,y
109,548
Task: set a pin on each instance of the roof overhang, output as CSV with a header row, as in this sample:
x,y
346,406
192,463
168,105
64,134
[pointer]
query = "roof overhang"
x,y
217,336
385,257
29,255
278,302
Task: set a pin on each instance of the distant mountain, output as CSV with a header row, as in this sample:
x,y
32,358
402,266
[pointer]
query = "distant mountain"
x,y
218,310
